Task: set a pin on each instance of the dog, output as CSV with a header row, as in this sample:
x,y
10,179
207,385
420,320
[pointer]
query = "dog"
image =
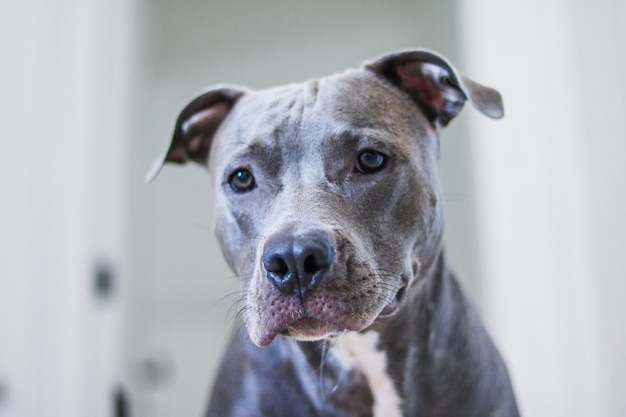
x,y
328,208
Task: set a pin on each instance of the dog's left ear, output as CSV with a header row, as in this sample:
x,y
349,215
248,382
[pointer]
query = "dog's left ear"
x,y
195,127
435,85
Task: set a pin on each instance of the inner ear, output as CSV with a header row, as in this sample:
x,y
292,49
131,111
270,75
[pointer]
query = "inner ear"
x,y
435,85
433,88
192,140
196,126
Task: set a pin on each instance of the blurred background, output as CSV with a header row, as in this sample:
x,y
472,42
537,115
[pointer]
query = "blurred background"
x,y
111,286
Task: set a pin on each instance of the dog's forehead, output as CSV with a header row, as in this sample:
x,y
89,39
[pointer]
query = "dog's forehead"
x,y
356,103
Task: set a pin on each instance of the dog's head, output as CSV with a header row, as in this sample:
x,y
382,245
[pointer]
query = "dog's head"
x,y
328,201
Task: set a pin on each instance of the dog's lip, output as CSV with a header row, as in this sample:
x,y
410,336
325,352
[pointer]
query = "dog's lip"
x,y
394,305
303,327
310,328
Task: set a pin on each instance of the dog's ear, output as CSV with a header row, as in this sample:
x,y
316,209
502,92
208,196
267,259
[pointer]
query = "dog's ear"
x,y
195,127
435,85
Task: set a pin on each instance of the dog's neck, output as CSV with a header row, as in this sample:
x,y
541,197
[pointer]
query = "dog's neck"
x,y
421,361
361,353
382,355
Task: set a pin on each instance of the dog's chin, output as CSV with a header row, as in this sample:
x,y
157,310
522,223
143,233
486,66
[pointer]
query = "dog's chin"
x,y
313,326
305,328
310,329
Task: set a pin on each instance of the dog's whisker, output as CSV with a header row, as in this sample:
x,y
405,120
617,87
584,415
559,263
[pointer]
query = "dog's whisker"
x,y
324,352
223,299
241,319
237,304
387,272
341,370
230,295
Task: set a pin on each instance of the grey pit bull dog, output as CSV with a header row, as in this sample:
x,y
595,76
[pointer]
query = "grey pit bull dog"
x,y
329,210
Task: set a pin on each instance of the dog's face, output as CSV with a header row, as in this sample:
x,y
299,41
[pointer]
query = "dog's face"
x,y
336,159
328,202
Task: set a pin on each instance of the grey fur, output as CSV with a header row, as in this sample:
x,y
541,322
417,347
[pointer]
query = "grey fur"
x,y
380,233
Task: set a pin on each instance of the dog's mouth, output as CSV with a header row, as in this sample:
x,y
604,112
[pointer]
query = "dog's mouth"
x,y
322,312
394,305
311,328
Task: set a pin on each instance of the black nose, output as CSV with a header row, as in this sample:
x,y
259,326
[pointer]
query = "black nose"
x,y
296,263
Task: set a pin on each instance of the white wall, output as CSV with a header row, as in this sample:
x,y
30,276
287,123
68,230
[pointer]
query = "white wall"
x,y
62,178
90,89
550,183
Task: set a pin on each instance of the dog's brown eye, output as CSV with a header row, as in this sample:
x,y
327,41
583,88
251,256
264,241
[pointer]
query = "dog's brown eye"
x,y
370,161
241,180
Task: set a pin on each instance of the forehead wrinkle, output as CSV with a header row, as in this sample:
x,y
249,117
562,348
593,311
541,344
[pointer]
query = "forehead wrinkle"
x,y
354,138
256,149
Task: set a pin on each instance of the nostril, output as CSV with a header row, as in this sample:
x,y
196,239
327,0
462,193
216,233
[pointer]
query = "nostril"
x,y
313,264
276,265
279,272
310,265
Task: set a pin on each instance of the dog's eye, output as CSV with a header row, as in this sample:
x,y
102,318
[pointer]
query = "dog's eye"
x,y
370,161
241,180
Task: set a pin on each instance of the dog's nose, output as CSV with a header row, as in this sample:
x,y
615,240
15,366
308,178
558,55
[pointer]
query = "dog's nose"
x,y
296,263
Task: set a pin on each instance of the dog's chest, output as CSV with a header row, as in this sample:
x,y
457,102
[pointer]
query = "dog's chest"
x,y
359,352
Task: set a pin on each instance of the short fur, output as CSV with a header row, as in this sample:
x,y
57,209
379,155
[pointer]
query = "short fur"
x,y
326,248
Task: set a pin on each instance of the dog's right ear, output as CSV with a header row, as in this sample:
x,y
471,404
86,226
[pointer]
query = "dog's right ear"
x,y
195,127
435,85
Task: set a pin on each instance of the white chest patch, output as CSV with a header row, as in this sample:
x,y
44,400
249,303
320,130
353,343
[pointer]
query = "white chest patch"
x,y
358,351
